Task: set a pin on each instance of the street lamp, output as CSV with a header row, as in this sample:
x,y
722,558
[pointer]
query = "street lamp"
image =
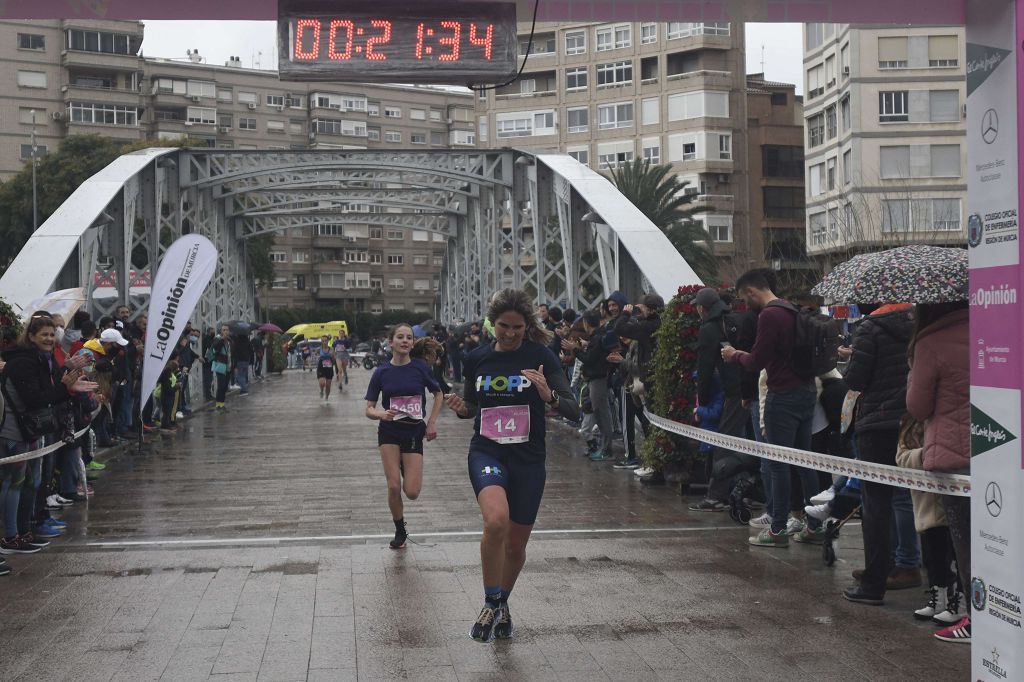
x,y
35,198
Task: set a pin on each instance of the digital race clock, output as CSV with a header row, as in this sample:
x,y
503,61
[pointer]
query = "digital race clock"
x,y
393,41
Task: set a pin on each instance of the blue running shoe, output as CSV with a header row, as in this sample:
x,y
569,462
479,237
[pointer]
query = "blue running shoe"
x,y
58,523
599,455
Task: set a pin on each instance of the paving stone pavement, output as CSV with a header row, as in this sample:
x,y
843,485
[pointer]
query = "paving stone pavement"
x,y
253,546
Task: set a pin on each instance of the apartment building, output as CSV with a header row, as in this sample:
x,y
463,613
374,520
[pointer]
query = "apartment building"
x,y
885,137
85,77
775,154
608,93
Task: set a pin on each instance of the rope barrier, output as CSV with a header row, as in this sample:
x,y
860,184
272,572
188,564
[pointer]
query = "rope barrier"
x,y
915,479
41,452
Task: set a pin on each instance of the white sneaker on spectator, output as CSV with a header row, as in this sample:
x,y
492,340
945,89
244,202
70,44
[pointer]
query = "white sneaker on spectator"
x,y
643,471
764,520
794,525
818,511
824,497
52,504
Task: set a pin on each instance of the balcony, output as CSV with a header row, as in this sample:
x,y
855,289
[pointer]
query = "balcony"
x,y
101,95
705,77
525,95
718,203
101,60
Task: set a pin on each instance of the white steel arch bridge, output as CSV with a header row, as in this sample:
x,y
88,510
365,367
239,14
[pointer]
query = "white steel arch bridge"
x,y
544,223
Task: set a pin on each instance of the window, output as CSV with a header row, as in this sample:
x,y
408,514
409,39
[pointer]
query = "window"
x,y
373,109
392,136
611,154
894,162
945,215
648,34
818,229
724,147
576,79
436,138
280,283
779,161
830,71
373,134
201,115
104,114
697,104
275,126
356,256
481,125
683,29
419,259
815,130
650,111
614,37
847,167
376,258
527,86
392,112
278,257
300,256
421,285
615,115
300,282
830,173
578,119
895,215
246,123
783,203
330,230
815,35
581,155
25,115
844,60
26,151
614,74
945,161
542,45
294,101
719,227
892,53
201,89
943,52
844,108
689,151
395,235
651,149
247,98
418,138
831,125
296,127
275,101
418,114
944,106
893,107
396,259
815,177
396,283
97,41
575,42
815,81
525,123
30,41
31,79
225,95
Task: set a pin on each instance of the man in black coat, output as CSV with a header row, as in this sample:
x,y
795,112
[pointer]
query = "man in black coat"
x,y
878,369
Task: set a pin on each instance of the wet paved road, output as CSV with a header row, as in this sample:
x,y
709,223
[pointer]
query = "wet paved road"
x,y
253,547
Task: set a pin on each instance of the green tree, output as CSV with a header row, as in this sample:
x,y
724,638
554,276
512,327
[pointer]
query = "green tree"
x,y
659,194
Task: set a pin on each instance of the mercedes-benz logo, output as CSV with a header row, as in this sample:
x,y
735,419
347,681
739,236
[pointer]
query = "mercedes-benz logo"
x,y
990,126
993,499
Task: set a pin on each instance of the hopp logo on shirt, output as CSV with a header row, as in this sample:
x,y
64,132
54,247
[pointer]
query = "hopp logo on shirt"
x,y
499,384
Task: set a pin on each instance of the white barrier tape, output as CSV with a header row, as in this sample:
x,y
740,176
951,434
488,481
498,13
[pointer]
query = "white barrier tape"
x,y
943,484
42,452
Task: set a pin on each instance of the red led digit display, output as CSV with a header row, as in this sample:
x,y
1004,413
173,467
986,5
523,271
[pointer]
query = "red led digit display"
x,y
470,42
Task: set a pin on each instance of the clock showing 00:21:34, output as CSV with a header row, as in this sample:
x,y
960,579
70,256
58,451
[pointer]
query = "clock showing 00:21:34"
x,y
343,39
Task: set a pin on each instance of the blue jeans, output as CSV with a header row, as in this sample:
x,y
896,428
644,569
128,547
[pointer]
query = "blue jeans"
x,y
69,457
27,503
242,376
907,553
787,420
13,478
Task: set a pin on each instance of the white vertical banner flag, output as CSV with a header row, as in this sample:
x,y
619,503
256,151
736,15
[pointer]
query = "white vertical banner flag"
x,y
180,280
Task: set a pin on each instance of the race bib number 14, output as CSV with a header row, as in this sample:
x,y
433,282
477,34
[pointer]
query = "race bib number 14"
x,y
506,425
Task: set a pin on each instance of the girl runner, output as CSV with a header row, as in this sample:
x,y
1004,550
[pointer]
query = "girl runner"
x,y
325,368
510,383
342,348
402,382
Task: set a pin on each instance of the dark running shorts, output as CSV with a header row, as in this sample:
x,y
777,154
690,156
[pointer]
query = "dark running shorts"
x,y
523,482
406,443
325,373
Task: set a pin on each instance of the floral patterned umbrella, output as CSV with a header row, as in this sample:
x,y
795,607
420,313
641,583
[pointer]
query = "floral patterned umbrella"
x,y
908,274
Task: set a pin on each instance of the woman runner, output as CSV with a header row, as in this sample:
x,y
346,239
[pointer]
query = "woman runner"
x,y
510,384
342,350
325,368
401,432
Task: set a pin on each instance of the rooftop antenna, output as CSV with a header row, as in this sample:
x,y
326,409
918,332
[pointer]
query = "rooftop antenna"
x,y
762,59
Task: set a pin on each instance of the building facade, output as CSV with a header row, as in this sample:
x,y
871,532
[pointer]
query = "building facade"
x,y
775,154
885,137
609,93
82,77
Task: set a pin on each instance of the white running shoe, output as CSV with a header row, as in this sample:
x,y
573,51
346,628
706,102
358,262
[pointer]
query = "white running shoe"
x,y
762,521
818,511
824,497
794,525
643,471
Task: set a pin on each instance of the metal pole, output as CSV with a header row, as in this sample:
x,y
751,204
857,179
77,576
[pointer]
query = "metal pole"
x,y
35,200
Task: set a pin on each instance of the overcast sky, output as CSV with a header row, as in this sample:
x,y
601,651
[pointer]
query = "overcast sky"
x,y
255,42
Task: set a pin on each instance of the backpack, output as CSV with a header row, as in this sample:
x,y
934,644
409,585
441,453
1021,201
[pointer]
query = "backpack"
x,y
816,343
731,328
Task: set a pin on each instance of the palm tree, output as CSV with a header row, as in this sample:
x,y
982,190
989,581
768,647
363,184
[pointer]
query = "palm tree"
x,y
659,194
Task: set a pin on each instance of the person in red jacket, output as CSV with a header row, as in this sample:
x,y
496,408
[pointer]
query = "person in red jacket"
x,y
939,394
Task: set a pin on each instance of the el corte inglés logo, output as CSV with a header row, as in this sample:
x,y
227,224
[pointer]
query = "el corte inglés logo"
x,y
987,433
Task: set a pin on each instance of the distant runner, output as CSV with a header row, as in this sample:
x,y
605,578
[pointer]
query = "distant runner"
x,y
325,368
342,356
